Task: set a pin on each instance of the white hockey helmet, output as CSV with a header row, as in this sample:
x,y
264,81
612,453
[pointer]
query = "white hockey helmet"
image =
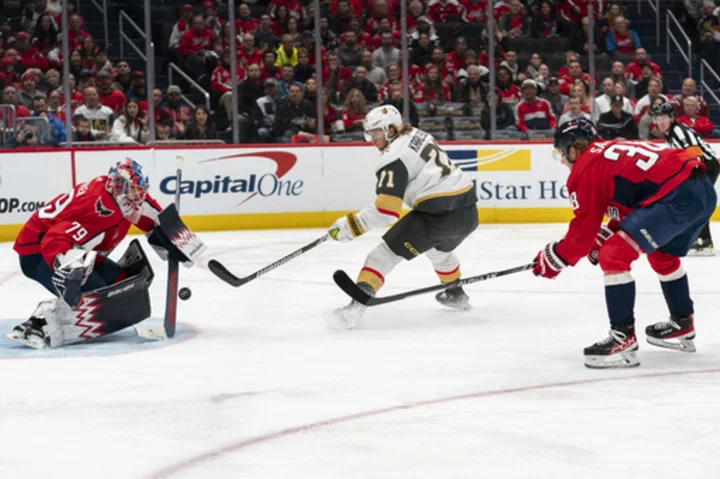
x,y
381,117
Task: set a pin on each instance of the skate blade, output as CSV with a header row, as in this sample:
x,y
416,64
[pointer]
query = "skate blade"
x,y
626,359
32,342
683,345
701,252
460,307
155,333
342,320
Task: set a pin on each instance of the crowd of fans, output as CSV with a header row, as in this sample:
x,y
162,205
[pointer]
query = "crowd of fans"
x,y
277,96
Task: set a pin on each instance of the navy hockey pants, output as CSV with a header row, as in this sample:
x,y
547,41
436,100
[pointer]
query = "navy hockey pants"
x,y
34,267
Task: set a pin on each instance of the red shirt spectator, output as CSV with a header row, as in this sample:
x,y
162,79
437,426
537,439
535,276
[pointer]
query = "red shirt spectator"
x,y
341,76
475,10
8,75
248,54
535,114
196,38
76,31
221,80
440,11
483,59
179,114
507,92
433,88
356,7
158,110
108,96
295,8
574,72
688,90
573,10
700,124
29,56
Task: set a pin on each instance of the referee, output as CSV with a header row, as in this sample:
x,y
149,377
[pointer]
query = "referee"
x,y
678,135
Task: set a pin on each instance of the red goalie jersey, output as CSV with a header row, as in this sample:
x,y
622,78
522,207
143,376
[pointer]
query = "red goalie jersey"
x,y
613,178
88,217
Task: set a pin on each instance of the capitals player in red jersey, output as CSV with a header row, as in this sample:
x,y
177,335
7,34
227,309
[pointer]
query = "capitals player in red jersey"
x,y
658,200
64,247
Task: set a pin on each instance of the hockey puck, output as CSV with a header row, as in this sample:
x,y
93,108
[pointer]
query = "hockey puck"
x,y
184,294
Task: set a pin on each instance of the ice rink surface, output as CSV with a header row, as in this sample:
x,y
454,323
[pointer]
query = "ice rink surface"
x,y
262,389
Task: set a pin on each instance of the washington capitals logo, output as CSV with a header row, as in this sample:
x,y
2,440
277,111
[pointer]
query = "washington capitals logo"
x,y
85,314
101,210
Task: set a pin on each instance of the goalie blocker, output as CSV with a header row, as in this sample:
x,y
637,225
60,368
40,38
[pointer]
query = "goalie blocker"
x,y
100,312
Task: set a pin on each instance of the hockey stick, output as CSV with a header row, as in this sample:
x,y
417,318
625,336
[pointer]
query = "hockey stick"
x,y
224,274
351,289
173,268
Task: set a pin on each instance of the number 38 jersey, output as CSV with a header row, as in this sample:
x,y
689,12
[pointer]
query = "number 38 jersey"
x,y
85,218
614,178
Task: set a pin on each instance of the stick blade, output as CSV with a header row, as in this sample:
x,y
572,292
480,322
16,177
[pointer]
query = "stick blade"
x,y
223,273
350,288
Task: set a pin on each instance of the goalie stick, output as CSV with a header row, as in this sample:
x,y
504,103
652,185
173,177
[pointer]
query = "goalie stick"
x,y
171,296
224,274
351,289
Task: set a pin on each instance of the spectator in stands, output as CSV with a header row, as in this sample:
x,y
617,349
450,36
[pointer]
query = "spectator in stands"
x,y
29,135
633,72
249,91
248,54
574,111
304,70
99,115
364,39
179,114
308,44
622,39
76,33
534,63
514,24
642,87
122,78
269,70
265,38
295,8
164,131
393,74
622,91
439,11
350,53
506,89
328,37
88,47
287,54
212,22
456,57
354,111
221,82
330,115
691,118
202,126
194,43
618,75
245,22
294,115
29,82
387,53
504,116
380,11
617,123
54,102
471,89
8,75
647,128
310,91
398,101
574,73
603,101
359,80
29,56
709,32
57,127
182,25
689,89
131,125
580,90
86,79
545,23
511,64
76,64
158,110
112,99
433,89
83,130
138,89
581,37
572,12
265,111
375,74
45,35
336,77
288,79
534,113
424,27
340,22
422,53
51,80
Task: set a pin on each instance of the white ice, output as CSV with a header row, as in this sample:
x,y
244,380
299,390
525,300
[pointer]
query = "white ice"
x,y
265,390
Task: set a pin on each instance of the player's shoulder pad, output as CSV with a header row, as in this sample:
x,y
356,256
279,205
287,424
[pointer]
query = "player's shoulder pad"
x,y
406,148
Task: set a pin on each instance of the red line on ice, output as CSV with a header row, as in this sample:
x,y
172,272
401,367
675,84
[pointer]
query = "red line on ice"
x,y
252,441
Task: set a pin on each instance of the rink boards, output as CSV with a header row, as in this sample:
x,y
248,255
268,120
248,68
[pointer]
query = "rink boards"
x,y
266,186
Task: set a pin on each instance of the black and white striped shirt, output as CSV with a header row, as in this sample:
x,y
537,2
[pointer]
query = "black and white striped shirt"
x,y
681,136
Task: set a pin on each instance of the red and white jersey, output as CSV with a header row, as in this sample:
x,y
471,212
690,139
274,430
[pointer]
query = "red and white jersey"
x,y
567,11
633,71
536,115
373,24
246,26
677,103
88,218
440,11
222,81
566,82
254,57
511,94
32,58
422,95
475,10
646,171
624,43
192,42
295,7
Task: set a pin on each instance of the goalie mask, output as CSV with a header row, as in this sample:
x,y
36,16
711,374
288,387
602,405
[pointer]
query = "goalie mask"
x,y
382,117
128,185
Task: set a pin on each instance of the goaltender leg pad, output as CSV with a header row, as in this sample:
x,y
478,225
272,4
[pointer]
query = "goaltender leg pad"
x,y
105,310
181,243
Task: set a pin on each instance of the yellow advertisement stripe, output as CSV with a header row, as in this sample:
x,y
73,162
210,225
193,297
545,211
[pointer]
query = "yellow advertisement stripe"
x,y
504,160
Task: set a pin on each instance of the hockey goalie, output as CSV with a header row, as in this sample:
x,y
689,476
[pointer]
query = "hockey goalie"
x,y
65,246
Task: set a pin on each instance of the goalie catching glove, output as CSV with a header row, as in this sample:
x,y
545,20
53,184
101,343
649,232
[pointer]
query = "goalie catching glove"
x,y
71,271
171,239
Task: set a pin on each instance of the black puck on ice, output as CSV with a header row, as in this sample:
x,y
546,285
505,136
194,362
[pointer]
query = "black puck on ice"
x,y
184,294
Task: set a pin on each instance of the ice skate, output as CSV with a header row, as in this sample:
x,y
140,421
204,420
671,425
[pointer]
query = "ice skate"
x,y
348,316
676,333
30,333
454,298
702,247
618,350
